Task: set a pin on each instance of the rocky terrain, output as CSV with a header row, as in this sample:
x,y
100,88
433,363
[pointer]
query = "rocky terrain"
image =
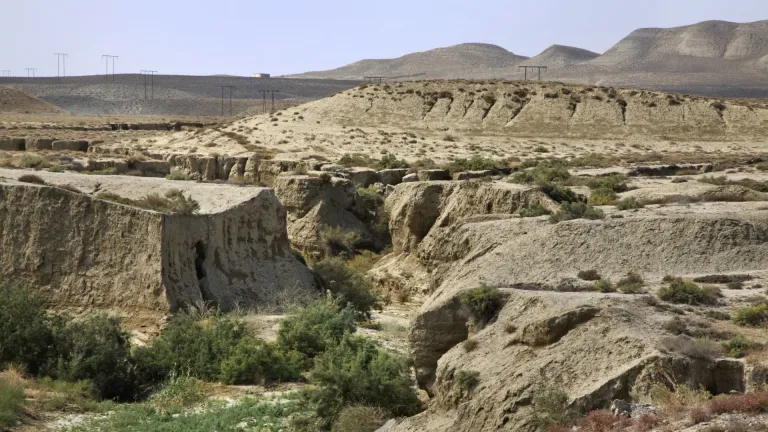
x,y
715,58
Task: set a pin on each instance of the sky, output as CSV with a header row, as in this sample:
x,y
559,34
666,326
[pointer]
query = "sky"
x,y
194,37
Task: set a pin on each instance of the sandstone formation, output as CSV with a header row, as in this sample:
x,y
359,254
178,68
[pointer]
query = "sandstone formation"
x,y
84,253
74,145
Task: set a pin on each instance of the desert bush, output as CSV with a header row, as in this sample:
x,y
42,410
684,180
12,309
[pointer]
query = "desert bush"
x,y
718,181
550,408
614,182
475,163
335,241
602,421
549,170
96,349
559,193
355,372
469,345
739,345
177,175
533,210
34,161
255,361
359,418
688,292
630,203
357,160
603,286
645,422
174,201
676,326
589,275
466,380
756,402
178,203
699,414
178,392
631,283
379,222
11,403
349,286
694,348
484,303
31,178
449,138
364,260
389,161
311,330
602,196
576,210
752,316
673,398
25,333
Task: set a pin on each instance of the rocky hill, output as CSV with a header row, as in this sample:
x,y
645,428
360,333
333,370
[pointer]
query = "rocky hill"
x,y
16,102
559,56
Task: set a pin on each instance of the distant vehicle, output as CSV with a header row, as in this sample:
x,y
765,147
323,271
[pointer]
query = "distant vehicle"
x,y
261,75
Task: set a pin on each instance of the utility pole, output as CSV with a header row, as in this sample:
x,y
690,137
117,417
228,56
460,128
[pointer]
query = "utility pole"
x,y
264,92
538,68
6,73
230,87
106,73
152,81
31,70
61,58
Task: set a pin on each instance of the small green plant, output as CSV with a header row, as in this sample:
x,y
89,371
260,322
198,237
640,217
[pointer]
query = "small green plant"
x,y
469,345
602,196
631,283
177,175
603,286
630,203
739,345
359,418
541,149
390,161
348,286
178,392
551,408
688,292
335,241
533,210
576,210
311,330
31,178
552,170
11,403
589,275
466,380
484,303
558,192
613,182
752,316
34,161
255,361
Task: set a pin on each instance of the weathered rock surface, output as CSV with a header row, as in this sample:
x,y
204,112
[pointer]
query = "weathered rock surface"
x,y
468,175
433,175
73,145
39,144
410,178
393,176
12,144
84,253
363,177
314,203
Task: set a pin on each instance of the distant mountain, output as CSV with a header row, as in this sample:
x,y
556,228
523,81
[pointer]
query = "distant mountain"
x,y
558,56
459,61
13,101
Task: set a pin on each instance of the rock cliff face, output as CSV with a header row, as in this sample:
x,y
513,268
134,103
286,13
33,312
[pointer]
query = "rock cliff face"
x,y
84,253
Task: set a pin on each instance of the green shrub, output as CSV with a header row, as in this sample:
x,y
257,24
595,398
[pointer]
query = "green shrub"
x,y
31,178
614,182
688,292
589,275
389,161
476,163
630,203
357,160
34,161
357,372
558,193
177,393
484,303
189,346
177,175
603,286
360,418
551,408
173,202
718,181
255,361
752,316
311,330
466,380
602,196
349,286
632,283
98,350
379,222
335,241
11,404
738,346
551,170
576,210
25,334
533,210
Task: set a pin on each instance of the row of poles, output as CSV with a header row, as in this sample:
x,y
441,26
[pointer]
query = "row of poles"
x,y
61,71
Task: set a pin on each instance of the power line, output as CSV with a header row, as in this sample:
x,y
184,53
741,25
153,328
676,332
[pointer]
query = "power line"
x,y
264,93
61,58
6,73
230,87
31,70
106,74
539,68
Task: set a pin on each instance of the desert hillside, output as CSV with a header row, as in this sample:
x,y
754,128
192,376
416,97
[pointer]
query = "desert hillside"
x,y
559,56
17,102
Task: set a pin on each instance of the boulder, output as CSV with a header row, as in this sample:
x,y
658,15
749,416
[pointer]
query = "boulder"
x,y
410,178
72,145
393,176
39,144
333,168
12,144
434,174
468,175
363,177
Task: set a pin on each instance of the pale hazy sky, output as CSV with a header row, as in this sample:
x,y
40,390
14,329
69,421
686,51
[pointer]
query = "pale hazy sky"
x,y
291,36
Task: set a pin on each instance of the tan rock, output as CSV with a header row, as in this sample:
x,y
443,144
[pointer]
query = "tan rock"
x,y
73,145
12,144
39,144
434,174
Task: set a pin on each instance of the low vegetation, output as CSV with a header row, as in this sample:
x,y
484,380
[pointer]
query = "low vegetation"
x,y
348,286
466,380
688,292
589,275
31,178
631,283
476,163
174,201
602,196
630,203
534,210
484,303
576,210
752,316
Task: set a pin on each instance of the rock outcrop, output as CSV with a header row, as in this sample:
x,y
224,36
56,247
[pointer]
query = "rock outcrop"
x,y
84,253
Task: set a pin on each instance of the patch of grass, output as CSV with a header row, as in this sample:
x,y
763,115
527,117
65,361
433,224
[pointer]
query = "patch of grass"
x,y
533,210
589,275
178,392
603,286
602,196
613,182
335,241
739,345
174,201
550,170
34,161
177,175
12,401
630,203
484,303
576,210
466,380
359,418
631,283
688,292
551,408
31,178
752,316
694,348
390,161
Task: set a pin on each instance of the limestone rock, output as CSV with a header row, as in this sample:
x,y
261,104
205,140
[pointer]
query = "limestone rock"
x,y
39,144
12,144
363,177
410,178
434,174
73,145
393,176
